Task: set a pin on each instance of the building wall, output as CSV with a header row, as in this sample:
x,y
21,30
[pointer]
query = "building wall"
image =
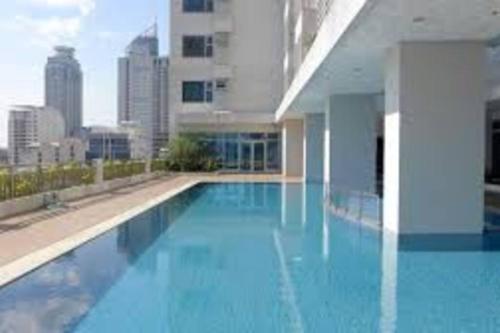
x,y
247,55
30,125
46,154
108,143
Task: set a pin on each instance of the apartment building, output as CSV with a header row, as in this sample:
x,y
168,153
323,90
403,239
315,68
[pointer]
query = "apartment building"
x,y
31,125
65,151
414,75
226,78
107,143
64,88
143,93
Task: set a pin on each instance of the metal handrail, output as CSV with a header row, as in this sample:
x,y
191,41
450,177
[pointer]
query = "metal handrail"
x,y
360,205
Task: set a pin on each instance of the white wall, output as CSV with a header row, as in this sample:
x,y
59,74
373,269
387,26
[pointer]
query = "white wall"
x,y
434,138
255,54
293,148
353,142
314,128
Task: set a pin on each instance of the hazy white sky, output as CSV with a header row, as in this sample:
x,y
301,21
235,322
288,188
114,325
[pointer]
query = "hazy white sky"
x,y
99,30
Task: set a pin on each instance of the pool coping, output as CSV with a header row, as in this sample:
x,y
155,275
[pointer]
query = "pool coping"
x,y
30,262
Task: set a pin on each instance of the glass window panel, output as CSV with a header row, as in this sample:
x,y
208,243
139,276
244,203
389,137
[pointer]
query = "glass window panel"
x,y
194,5
273,155
193,92
232,153
193,46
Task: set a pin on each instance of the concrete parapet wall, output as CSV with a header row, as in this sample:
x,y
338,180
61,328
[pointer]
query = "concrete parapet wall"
x,y
37,201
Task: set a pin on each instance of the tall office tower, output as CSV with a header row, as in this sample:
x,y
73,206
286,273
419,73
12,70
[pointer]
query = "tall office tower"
x,y
64,87
226,78
29,125
143,94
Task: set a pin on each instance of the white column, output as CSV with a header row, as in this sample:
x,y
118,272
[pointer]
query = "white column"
x,y
98,164
434,138
293,148
350,143
327,149
313,147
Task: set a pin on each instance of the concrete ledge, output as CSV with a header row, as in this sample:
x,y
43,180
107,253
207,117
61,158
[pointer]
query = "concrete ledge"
x,y
28,263
37,201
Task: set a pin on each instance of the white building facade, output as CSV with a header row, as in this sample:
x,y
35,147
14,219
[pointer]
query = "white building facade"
x,y
143,93
67,150
32,125
404,73
226,79
64,88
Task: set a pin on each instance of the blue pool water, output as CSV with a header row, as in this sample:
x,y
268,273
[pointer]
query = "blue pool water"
x,y
256,258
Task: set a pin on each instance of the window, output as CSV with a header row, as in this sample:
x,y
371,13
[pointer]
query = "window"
x,y
197,92
198,6
197,46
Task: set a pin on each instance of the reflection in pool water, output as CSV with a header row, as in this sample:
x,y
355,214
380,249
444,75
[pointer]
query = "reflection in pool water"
x,y
256,258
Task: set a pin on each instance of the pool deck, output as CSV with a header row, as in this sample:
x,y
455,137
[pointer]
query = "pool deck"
x,y
28,241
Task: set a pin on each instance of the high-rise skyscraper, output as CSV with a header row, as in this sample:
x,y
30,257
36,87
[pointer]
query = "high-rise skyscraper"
x,y
64,87
142,93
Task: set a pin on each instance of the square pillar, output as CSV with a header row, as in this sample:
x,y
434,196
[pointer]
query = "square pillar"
x,y
434,138
293,148
350,143
314,124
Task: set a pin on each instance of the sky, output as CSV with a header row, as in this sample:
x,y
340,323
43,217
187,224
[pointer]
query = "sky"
x,y
100,30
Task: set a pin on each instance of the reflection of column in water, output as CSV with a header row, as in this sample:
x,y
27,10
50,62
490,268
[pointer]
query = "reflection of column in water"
x,y
326,234
291,204
388,297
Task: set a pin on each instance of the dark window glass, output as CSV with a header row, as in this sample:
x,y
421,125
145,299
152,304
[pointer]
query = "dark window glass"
x,y
193,46
209,49
198,6
273,136
194,5
209,92
496,125
193,92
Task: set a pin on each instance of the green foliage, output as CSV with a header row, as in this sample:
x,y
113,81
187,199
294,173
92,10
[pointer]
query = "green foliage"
x,y
185,153
44,180
123,169
159,165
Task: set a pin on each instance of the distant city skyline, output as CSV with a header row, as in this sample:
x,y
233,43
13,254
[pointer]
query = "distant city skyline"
x,y
89,26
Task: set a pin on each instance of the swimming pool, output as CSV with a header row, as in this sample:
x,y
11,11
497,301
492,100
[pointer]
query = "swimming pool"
x,y
255,258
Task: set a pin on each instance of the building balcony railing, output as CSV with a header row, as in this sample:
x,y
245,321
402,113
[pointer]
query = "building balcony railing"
x,y
358,206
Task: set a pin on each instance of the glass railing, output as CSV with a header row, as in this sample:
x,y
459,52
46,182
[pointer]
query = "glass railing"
x,y
360,206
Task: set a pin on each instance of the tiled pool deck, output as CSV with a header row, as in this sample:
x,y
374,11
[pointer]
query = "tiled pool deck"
x,y
29,240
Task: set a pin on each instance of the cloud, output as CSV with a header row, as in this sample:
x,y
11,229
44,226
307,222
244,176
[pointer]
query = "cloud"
x,y
49,31
84,6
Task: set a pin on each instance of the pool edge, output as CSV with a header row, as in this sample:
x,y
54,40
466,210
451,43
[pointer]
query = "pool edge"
x,y
23,265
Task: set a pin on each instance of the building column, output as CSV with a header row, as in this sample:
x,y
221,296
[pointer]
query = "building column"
x,y
350,143
293,148
434,138
313,147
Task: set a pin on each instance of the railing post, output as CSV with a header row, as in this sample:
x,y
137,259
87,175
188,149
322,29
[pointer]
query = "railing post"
x,y
148,166
98,164
12,183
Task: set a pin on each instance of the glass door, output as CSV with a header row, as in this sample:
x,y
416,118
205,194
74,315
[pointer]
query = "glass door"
x,y
246,156
259,162
253,156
